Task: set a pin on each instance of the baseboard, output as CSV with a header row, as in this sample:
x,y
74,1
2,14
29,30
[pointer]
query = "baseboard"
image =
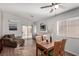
x,y
73,53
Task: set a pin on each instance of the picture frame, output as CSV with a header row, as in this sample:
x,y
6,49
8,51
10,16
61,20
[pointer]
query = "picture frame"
x,y
42,27
12,25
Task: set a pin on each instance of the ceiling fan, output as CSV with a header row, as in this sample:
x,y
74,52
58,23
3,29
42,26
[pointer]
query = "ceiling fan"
x,y
55,5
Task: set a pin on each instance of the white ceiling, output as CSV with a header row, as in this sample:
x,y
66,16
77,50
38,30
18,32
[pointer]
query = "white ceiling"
x,y
33,11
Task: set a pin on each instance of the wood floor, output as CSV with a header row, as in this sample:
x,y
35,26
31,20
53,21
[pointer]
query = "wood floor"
x,y
28,50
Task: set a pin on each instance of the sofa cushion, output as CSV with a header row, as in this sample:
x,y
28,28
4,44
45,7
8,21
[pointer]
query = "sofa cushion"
x,y
12,36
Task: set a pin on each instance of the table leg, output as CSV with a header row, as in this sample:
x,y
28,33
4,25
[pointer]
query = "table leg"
x,y
36,50
46,52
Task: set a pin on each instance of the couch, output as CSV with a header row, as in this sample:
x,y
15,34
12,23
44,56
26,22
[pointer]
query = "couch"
x,y
11,41
1,45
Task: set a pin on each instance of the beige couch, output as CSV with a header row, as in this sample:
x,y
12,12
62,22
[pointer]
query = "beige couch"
x,y
11,41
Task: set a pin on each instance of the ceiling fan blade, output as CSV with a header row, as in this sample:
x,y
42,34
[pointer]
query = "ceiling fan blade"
x,y
56,3
46,6
61,6
52,4
51,10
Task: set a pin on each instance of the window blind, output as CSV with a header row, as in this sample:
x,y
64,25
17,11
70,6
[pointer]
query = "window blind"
x,y
68,27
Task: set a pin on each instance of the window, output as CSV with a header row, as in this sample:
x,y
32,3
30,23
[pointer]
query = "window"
x,y
68,27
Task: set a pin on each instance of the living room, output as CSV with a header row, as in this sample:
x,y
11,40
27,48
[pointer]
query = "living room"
x,y
44,22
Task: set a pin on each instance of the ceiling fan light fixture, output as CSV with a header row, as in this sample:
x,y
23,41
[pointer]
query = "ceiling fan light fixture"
x,y
51,10
56,6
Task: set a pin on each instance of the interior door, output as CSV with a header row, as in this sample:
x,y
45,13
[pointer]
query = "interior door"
x,y
26,31
29,31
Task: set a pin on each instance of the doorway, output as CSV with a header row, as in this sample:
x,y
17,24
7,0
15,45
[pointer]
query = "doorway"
x,y
26,32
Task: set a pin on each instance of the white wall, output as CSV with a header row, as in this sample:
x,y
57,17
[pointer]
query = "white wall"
x,y
0,24
72,45
5,25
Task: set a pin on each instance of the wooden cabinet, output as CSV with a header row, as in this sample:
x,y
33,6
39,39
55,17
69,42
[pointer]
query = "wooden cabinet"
x,y
1,46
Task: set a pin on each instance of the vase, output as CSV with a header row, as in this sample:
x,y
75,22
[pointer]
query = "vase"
x,y
50,38
42,38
